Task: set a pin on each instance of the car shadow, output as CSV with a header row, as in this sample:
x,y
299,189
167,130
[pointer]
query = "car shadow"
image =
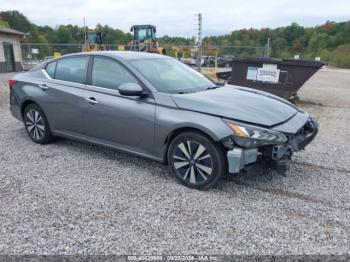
x,y
254,175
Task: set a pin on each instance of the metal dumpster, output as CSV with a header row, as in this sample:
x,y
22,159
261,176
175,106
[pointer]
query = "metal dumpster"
x,y
280,77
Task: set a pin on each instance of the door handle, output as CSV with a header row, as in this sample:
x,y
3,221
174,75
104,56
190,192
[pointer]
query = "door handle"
x,y
91,100
43,87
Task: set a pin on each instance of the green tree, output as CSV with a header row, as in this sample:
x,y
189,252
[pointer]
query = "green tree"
x,y
331,40
4,23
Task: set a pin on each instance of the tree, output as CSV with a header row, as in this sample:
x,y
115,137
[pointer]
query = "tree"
x,y
4,23
331,40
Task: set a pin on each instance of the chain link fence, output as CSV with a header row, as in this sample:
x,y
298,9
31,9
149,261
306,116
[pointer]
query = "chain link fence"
x,y
34,53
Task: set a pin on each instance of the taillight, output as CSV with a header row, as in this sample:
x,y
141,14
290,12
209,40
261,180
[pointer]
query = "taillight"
x,y
12,82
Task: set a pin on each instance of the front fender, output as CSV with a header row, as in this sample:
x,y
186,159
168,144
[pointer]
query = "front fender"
x,y
169,120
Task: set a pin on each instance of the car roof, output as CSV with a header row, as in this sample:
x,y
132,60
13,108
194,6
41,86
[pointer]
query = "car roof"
x,y
127,55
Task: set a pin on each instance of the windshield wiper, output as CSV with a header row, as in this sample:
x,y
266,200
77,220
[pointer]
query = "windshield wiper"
x,y
187,92
211,87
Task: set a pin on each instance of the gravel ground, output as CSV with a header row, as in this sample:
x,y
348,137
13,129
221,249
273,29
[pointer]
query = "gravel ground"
x,y
74,198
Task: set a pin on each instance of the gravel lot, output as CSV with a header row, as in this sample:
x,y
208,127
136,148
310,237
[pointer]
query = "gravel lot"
x,y
74,198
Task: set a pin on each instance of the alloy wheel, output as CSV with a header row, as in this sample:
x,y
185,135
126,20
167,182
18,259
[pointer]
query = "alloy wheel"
x,y
192,162
35,124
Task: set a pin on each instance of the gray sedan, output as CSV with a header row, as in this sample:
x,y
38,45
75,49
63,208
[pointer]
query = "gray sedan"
x,y
156,107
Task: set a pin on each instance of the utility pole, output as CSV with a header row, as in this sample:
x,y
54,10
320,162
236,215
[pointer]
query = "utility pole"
x,y
85,40
30,55
199,44
267,51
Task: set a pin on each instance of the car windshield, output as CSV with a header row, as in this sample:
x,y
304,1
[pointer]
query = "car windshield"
x,y
171,76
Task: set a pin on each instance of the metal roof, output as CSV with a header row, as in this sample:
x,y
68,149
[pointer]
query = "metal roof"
x,y
9,31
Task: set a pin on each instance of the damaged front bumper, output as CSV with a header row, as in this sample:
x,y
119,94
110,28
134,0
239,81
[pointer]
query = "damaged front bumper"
x,y
272,155
238,158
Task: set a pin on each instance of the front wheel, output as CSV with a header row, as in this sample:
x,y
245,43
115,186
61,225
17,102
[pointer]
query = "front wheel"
x,y
196,160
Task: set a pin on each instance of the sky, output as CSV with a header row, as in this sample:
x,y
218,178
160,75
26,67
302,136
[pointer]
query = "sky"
x,y
178,18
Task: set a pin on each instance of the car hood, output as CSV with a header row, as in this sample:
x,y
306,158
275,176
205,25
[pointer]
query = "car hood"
x,y
238,103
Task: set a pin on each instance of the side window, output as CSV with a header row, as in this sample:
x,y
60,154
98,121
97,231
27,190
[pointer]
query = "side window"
x,y
71,69
50,69
110,74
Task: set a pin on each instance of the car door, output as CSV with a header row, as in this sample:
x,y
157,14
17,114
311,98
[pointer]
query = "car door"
x,y
63,94
110,118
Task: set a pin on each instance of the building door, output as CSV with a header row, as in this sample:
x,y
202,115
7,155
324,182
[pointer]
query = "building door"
x,y
9,57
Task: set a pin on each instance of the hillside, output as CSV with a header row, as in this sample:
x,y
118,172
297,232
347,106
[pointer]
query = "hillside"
x,y
330,41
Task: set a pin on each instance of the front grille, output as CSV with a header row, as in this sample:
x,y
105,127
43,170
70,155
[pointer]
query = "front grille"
x,y
294,143
306,134
307,129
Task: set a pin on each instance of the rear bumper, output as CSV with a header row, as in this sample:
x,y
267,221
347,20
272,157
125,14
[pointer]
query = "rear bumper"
x,y
15,107
273,155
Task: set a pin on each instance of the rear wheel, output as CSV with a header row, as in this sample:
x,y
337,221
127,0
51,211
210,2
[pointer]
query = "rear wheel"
x,y
36,124
196,160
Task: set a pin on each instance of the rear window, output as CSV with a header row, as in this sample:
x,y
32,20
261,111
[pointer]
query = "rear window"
x,y
50,69
71,69
38,67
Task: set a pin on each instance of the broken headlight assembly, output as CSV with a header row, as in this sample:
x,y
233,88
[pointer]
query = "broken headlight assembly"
x,y
253,136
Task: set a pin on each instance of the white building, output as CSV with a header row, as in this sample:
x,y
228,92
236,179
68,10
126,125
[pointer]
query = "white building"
x,y
10,50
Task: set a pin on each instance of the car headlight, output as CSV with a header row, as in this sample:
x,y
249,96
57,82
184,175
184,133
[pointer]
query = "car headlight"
x,y
253,136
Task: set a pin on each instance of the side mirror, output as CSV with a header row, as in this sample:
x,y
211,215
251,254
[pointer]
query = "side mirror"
x,y
131,89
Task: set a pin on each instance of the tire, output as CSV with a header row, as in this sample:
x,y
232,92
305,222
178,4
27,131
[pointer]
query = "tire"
x,y
196,160
36,124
